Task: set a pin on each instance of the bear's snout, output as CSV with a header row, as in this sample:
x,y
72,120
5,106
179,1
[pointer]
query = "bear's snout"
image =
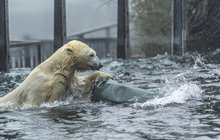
x,y
96,66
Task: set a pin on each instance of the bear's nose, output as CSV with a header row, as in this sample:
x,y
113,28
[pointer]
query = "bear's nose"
x,y
96,66
100,65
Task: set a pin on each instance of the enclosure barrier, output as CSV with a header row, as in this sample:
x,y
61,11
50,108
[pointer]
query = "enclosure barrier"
x,y
60,30
59,23
178,28
30,54
4,36
123,29
25,54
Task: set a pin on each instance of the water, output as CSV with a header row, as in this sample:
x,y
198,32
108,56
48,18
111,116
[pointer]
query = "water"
x,y
186,105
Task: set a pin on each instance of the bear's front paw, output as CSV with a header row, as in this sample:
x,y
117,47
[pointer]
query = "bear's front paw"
x,y
97,77
104,76
101,76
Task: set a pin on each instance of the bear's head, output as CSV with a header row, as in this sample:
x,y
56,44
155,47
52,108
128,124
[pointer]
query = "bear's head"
x,y
82,56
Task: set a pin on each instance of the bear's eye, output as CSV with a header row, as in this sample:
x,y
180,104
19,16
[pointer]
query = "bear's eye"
x,y
92,55
69,51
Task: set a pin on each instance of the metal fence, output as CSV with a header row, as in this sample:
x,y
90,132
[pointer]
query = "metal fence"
x,y
30,54
25,54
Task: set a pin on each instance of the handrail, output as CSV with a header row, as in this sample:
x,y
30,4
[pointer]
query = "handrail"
x,y
14,44
93,30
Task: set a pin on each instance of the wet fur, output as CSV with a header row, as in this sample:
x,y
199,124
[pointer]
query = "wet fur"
x,y
52,80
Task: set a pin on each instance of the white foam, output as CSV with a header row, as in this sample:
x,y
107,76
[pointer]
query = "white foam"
x,y
180,95
54,104
19,71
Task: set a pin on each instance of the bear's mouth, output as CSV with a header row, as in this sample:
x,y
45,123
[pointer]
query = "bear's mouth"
x,y
96,66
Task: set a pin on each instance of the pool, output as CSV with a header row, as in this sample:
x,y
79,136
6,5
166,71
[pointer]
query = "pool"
x,y
186,105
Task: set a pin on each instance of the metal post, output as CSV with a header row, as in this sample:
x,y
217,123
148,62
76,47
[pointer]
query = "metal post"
x,y
107,42
59,23
184,26
39,53
27,57
123,29
4,36
178,45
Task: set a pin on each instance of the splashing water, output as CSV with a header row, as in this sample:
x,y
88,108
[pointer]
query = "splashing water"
x,y
177,88
174,95
199,62
54,104
185,105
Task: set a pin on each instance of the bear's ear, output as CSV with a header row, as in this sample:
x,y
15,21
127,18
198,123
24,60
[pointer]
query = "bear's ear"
x,y
69,51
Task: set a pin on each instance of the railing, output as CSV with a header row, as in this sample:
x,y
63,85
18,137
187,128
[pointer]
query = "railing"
x,y
32,53
25,54
104,47
29,54
106,28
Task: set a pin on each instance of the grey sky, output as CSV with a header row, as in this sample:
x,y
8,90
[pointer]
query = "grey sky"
x,y
35,17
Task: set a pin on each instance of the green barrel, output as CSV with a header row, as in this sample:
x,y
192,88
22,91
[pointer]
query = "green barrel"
x,y
115,92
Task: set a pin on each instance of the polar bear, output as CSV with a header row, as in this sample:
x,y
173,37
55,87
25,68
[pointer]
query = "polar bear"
x,y
55,79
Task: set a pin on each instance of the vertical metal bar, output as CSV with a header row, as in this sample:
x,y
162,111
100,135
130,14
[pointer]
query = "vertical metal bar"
x,y
39,53
59,23
107,42
177,29
4,36
123,29
21,59
184,26
27,57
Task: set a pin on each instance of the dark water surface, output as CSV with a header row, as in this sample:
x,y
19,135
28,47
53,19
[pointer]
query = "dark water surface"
x,y
186,105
